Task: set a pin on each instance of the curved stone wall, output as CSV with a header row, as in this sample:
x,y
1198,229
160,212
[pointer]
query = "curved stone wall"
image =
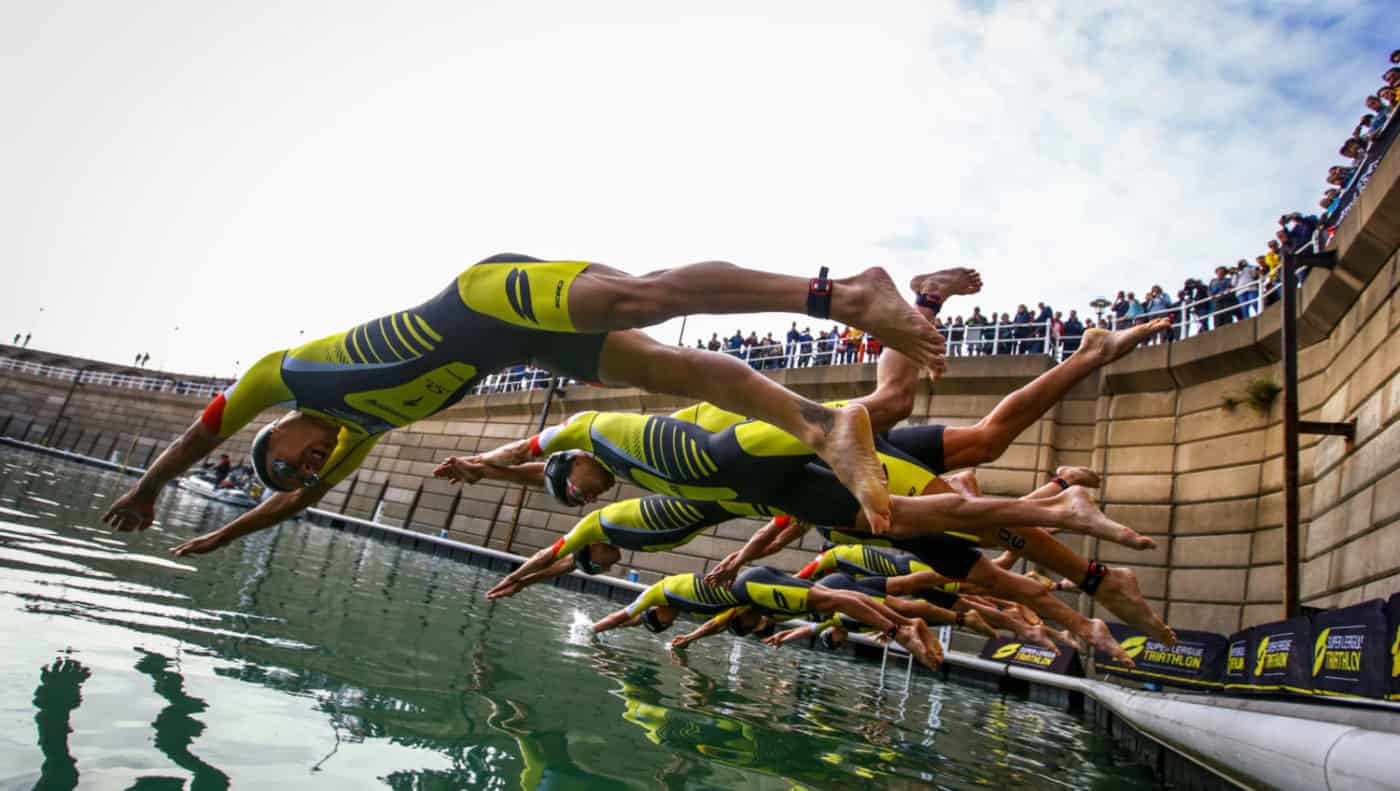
x,y
1204,479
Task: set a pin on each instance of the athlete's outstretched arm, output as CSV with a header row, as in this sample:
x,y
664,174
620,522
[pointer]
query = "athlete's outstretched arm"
x,y
268,513
786,636
715,625
508,455
522,578
135,510
543,565
911,633
621,618
470,469
767,540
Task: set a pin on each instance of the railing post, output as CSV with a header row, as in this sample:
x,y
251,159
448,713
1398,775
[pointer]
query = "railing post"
x,y
345,504
996,338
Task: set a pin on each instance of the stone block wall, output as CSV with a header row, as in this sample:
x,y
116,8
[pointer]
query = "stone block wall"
x,y
1202,477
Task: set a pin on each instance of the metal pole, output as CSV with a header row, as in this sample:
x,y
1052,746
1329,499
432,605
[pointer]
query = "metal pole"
x,y
681,340
64,407
1289,339
349,493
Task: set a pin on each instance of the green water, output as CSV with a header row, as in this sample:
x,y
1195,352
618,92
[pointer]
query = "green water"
x,y
307,658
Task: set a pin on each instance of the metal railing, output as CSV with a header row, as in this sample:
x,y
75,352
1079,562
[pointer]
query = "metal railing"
x,y
163,384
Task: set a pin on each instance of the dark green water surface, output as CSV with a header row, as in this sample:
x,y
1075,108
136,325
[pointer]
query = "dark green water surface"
x,y
306,658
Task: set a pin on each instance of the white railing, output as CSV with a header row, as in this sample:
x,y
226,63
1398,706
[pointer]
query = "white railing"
x,y
164,384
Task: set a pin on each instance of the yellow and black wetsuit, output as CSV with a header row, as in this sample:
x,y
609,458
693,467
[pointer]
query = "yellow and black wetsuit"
x,y
645,524
747,462
771,590
767,470
864,560
950,553
403,367
687,593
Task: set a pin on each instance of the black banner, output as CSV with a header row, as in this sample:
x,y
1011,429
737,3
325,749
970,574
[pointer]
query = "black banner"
x,y
1346,201
1031,655
1279,658
1351,655
1236,676
1196,661
1392,610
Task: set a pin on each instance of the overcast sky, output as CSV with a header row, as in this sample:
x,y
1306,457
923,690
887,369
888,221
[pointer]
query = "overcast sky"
x,y
248,172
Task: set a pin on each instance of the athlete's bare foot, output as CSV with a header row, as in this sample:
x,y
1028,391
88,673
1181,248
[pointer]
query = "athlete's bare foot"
x,y
849,449
964,483
871,302
1038,635
948,282
1079,476
1086,517
1104,346
1119,593
972,621
1102,640
918,640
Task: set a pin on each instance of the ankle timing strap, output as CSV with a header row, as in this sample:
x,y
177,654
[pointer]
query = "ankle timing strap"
x,y
1061,482
931,301
819,296
1093,578
962,619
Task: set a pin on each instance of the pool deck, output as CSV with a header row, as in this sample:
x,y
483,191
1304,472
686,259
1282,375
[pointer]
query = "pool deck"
x,y
1195,741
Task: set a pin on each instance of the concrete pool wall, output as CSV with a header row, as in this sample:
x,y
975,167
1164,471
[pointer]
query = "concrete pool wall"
x,y
1203,479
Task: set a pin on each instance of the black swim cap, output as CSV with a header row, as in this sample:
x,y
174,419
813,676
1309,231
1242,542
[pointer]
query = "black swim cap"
x,y
583,561
736,626
828,639
652,621
556,475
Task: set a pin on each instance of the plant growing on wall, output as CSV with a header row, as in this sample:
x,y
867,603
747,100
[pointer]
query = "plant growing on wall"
x,y
1258,395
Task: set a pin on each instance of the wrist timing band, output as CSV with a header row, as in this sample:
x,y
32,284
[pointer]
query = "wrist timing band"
x,y
962,619
1093,578
819,296
1061,482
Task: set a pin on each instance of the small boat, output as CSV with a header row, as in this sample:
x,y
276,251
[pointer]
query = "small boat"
x,y
229,495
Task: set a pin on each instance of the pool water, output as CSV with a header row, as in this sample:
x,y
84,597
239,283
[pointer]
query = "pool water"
x,y
307,658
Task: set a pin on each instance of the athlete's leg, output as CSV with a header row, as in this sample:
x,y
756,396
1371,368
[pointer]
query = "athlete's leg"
x,y
897,376
1071,510
1118,591
841,437
603,299
985,441
1018,588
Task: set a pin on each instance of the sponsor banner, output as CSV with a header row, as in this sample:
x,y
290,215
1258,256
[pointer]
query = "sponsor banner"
x,y
1346,201
1031,655
1392,609
1351,653
1279,658
1235,674
1197,659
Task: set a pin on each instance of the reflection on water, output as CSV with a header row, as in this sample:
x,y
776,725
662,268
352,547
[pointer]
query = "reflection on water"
x,y
303,657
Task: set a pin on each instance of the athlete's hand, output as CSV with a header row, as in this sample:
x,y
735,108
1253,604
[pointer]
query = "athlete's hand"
x,y
461,469
134,510
201,544
503,589
780,639
723,574
681,642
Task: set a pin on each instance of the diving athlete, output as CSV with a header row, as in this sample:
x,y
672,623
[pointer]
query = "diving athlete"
x,y
348,389
764,590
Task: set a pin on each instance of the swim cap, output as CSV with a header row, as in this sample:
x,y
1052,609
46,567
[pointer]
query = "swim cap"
x,y
258,452
828,639
652,621
556,475
583,561
737,627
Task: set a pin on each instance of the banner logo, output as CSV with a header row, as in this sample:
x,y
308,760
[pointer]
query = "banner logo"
x,y
1133,646
1259,655
1320,650
1007,651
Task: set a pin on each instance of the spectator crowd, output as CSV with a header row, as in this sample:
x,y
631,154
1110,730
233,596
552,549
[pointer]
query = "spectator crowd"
x,y
1235,292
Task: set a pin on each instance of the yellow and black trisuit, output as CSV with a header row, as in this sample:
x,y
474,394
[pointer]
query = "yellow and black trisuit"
x,y
401,368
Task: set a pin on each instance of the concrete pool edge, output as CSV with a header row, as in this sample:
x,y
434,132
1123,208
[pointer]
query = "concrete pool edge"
x,y
1251,743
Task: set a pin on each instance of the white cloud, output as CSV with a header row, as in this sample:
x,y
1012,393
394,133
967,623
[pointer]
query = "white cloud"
x,y
247,172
